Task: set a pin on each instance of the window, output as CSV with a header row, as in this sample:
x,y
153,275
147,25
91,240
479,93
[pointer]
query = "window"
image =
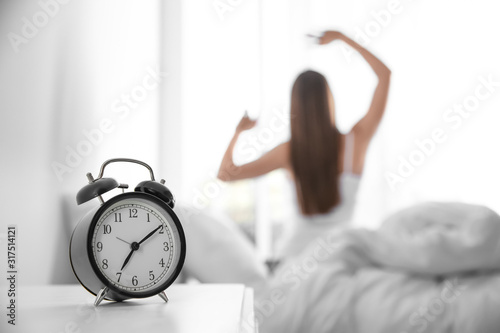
x,y
248,60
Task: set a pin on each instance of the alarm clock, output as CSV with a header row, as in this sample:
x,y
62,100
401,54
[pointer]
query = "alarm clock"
x,y
130,246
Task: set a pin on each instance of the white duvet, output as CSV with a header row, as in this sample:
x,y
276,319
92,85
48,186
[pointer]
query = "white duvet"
x,y
430,268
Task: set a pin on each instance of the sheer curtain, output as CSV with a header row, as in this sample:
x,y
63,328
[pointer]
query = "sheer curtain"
x,y
437,140
246,55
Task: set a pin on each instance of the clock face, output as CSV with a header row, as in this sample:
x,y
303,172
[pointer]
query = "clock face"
x,y
137,245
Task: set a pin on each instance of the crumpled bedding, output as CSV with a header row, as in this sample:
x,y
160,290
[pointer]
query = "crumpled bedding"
x,y
433,267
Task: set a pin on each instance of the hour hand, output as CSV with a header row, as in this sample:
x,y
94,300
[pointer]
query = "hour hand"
x,y
127,259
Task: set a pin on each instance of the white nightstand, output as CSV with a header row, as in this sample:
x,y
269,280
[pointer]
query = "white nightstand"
x,y
193,308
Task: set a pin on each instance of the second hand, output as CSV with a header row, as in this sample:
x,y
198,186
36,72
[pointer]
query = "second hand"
x,y
123,240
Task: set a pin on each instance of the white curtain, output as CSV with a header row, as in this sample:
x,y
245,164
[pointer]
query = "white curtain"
x,y
246,54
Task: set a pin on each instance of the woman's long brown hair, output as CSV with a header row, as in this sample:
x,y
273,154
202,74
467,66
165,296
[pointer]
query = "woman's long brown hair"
x,y
314,145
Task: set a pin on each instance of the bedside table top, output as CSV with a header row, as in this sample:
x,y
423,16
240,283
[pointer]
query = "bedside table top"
x,y
192,308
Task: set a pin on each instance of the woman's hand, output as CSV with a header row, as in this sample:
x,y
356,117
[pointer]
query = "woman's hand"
x,y
245,124
330,36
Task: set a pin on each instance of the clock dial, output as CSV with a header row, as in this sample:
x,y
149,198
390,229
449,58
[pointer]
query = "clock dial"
x,y
135,245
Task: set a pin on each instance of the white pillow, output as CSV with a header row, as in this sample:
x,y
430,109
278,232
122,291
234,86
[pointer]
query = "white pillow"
x,y
440,238
217,251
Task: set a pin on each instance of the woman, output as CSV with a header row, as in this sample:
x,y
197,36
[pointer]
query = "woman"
x,y
325,164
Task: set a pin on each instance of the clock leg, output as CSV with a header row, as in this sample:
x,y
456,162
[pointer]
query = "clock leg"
x,y
100,296
163,296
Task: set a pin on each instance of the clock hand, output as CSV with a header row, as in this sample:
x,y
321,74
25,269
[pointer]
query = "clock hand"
x,y
123,240
150,234
134,246
127,259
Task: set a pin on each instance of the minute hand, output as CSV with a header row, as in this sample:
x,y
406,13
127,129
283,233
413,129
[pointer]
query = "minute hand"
x,y
150,234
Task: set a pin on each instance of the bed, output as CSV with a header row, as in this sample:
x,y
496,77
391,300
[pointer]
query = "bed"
x,y
433,267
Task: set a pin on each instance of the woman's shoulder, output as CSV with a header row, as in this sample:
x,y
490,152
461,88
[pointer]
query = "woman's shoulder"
x,y
284,145
283,150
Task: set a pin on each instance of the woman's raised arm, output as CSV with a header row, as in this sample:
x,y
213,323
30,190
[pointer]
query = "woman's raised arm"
x,y
274,159
368,125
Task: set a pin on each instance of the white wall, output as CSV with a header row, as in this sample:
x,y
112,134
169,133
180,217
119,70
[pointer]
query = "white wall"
x,y
60,84
27,141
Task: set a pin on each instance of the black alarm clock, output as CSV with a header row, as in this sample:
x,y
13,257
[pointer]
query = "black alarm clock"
x,y
131,246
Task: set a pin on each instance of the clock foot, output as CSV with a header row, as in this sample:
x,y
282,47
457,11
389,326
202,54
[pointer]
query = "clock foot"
x,y
163,296
100,296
